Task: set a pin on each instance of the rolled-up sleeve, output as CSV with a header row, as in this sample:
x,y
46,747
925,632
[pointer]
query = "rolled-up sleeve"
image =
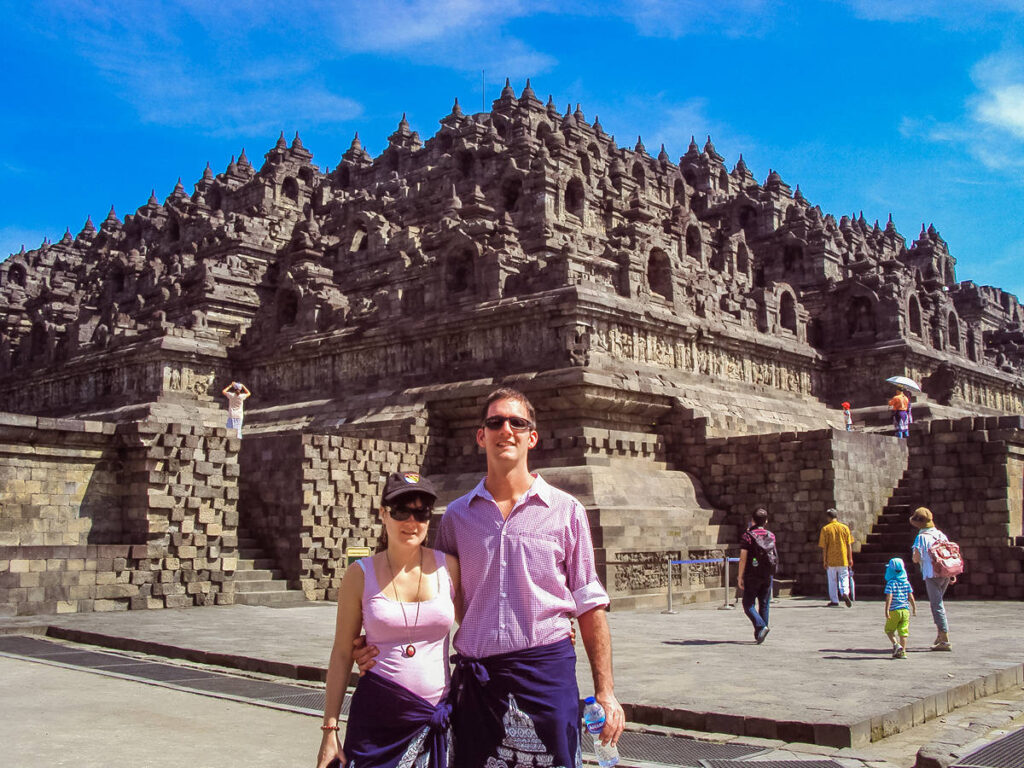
x,y
587,591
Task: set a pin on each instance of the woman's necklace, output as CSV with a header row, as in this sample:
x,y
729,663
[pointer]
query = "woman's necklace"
x,y
410,650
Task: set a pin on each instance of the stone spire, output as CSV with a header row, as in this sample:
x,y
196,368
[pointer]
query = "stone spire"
x,y
207,172
456,109
281,143
66,240
111,220
552,109
640,149
578,114
529,97
598,128
355,152
693,150
296,142
663,155
709,150
243,161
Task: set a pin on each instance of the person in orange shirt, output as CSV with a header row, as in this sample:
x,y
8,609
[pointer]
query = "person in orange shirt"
x,y
902,417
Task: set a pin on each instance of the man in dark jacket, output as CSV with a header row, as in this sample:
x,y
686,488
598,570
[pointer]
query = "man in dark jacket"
x,y
758,563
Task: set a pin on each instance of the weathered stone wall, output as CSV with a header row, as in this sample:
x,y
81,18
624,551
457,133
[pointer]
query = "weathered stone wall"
x,y
58,483
309,497
101,517
969,473
866,468
182,481
796,477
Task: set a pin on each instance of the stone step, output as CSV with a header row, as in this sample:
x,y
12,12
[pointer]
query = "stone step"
x,y
274,599
257,574
255,563
265,585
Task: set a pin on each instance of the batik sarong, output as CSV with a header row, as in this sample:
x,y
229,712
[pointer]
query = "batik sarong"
x,y
391,727
517,709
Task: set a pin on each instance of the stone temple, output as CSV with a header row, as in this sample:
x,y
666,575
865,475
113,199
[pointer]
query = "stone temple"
x,y
686,332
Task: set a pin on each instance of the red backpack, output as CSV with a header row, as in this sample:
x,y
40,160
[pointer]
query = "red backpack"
x,y
947,561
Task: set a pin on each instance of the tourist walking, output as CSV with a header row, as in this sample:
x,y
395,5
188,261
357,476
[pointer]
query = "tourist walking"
x,y
847,417
237,393
759,561
836,543
934,585
899,601
406,597
528,568
902,417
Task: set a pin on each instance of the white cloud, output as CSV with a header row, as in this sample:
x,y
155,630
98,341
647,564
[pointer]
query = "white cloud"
x,y
247,68
677,18
992,127
1000,103
229,80
960,15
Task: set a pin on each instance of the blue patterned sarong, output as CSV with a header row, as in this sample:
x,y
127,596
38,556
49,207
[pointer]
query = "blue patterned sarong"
x,y
517,709
391,727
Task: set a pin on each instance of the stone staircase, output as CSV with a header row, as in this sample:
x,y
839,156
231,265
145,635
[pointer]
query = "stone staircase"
x,y
891,536
258,581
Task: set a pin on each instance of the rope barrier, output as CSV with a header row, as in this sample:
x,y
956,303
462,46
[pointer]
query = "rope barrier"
x,y
724,560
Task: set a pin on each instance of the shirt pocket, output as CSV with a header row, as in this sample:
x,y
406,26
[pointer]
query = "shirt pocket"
x,y
539,560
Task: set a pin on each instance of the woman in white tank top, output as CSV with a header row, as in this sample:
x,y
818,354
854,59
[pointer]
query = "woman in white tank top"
x,y
405,597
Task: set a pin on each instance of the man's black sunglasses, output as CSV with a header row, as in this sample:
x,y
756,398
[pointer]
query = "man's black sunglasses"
x,y
517,423
401,514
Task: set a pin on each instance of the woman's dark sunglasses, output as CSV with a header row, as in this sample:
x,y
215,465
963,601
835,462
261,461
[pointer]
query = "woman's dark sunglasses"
x,y
517,423
401,514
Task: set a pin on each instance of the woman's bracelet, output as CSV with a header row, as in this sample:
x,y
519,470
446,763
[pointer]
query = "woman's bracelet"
x,y
330,727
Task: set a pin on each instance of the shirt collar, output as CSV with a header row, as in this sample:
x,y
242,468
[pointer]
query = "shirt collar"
x,y
539,488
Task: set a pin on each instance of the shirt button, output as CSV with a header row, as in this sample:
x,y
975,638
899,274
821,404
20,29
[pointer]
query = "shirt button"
x,y
504,595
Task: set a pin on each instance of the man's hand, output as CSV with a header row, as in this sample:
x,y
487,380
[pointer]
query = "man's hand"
x,y
739,583
615,718
362,654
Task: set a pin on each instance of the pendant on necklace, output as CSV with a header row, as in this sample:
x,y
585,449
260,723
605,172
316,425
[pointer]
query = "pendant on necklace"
x,y
410,651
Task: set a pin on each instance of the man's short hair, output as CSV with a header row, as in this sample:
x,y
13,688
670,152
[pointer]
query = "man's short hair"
x,y
760,516
832,513
508,393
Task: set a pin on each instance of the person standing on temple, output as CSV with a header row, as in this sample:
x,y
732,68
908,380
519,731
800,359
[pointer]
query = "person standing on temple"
x,y
836,544
237,393
902,417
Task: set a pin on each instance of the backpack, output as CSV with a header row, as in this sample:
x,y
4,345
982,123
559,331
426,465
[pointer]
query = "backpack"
x,y
947,561
765,557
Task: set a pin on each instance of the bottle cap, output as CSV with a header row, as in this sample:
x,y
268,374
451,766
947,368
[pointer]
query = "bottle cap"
x,y
589,700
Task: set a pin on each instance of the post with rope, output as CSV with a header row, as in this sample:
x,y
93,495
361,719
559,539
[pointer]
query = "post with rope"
x,y
668,569
726,605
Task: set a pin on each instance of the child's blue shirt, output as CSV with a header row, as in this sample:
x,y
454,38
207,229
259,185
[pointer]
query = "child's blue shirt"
x,y
900,591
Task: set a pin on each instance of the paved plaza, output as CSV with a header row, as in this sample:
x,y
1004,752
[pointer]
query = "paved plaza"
x,y
823,682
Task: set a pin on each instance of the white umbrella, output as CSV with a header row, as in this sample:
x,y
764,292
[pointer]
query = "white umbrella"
x,y
903,381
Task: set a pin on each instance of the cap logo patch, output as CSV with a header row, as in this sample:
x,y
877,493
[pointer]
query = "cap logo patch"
x,y
411,477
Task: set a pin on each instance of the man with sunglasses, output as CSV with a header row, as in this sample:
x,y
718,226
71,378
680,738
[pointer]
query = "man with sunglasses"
x,y
527,565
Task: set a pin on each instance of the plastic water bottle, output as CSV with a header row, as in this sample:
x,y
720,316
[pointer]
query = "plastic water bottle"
x,y
593,719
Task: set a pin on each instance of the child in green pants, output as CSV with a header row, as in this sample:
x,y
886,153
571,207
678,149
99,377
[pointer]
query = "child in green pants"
x,y
899,601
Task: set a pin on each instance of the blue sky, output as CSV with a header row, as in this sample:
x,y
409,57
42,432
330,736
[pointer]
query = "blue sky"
x,y
914,108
